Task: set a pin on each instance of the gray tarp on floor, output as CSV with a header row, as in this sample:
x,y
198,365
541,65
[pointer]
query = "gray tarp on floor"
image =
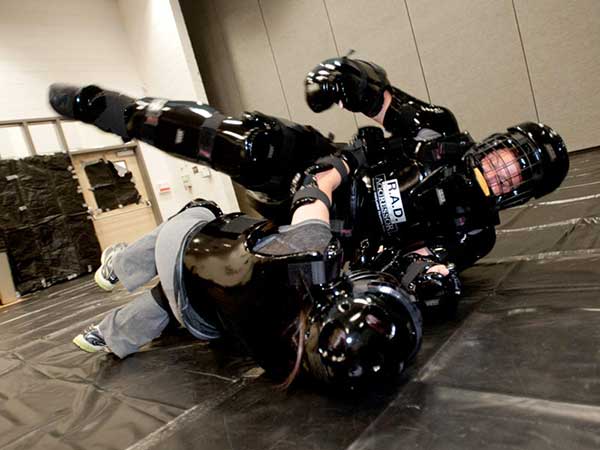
x,y
518,367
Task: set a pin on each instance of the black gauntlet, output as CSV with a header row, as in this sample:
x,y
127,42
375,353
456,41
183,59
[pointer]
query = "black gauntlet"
x,y
358,85
431,289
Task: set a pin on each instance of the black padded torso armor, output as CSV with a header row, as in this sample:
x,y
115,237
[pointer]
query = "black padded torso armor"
x,y
402,203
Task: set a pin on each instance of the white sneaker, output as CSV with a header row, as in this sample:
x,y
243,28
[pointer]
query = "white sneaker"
x,y
91,340
105,276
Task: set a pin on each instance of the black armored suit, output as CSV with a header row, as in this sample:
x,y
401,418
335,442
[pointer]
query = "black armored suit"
x,y
429,194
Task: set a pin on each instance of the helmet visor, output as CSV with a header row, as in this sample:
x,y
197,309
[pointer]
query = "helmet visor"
x,y
511,167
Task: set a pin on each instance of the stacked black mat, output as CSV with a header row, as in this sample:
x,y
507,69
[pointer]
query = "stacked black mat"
x,y
44,222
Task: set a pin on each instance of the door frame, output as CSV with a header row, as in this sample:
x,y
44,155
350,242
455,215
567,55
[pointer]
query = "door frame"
x,y
133,145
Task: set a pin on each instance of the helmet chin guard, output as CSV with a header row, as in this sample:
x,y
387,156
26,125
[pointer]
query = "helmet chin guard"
x,y
529,160
365,326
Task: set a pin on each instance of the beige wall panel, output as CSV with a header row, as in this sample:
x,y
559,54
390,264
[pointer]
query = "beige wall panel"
x,y
301,38
384,38
562,44
214,62
128,227
473,62
251,57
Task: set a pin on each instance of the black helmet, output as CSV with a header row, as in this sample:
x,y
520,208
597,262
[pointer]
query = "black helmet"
x,y
541,156
362,327
257,297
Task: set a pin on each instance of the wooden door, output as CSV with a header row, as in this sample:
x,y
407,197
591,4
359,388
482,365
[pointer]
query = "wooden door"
x,y
125,223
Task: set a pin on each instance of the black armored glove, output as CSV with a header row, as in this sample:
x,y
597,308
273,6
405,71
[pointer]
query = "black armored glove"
x,y
358,85
432,289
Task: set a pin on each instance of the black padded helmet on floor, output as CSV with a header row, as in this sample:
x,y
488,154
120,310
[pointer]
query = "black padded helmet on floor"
x,y
363,327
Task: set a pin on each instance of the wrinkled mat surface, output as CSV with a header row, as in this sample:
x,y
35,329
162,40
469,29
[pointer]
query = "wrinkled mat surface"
x,y
518,367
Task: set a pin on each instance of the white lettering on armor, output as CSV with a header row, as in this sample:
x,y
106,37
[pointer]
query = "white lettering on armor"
x,y
179,136
389,203
441,196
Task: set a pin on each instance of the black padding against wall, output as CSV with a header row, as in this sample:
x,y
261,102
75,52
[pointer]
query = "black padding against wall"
x,y
10,216
111,189
44,222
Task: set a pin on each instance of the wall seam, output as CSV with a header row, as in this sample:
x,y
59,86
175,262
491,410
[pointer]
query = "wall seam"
x,y
537,114
189,55
262,16
412,29
337,49
237,83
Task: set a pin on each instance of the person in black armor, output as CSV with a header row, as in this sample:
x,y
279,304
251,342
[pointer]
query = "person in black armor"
x,y
409,213
429,194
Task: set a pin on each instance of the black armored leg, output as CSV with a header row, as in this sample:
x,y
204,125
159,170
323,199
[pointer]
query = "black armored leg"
x,y
260,152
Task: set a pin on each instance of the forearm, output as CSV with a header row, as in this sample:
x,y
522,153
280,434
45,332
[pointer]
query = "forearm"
x,y
327,182
387,101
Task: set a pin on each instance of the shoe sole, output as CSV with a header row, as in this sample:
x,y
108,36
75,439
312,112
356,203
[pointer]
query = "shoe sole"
x,y
102,282
84,345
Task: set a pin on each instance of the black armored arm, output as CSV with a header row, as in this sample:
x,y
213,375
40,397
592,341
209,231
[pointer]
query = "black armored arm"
x,y
407,116
360,86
